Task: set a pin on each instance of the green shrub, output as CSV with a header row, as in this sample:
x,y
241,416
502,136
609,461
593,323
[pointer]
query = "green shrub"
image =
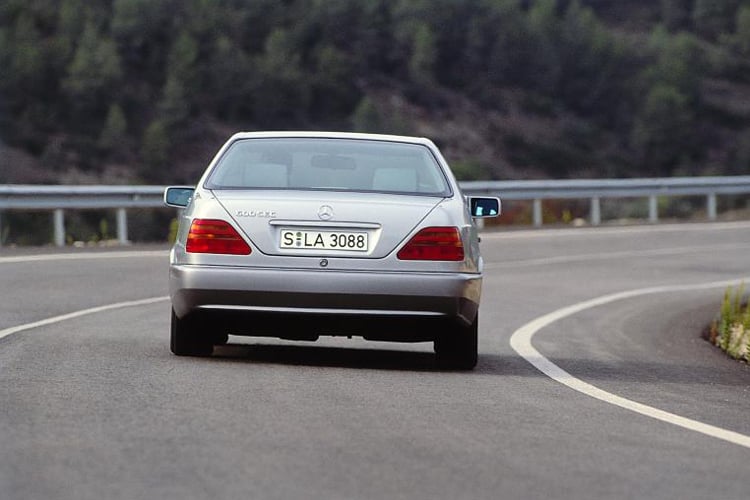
x,y
731,330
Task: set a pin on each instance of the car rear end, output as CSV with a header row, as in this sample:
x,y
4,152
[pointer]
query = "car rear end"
x,y
299,235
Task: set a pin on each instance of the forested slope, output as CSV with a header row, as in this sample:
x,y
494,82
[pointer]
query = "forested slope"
x,y
145,90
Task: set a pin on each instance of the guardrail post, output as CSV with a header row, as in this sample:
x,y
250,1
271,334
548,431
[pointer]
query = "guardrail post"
x,y
122,226
653,209
596,212
711,206
58,221
537,212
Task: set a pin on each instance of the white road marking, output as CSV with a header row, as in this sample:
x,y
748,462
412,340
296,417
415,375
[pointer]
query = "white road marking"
x,y
609,230
521,339
127,254
77,314
654,252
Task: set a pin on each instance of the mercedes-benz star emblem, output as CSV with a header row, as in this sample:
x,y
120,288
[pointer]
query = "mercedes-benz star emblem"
x,y
325,212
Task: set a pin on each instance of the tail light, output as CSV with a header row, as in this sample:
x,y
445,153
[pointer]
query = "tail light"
x,y
215,236
434,243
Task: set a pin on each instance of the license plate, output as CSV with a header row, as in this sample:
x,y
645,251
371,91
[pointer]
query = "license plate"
x,y
350,241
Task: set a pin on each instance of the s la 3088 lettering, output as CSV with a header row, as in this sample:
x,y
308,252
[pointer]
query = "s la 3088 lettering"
x,y
324,240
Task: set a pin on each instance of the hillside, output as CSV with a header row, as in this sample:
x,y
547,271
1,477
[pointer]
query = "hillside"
x,y
144,91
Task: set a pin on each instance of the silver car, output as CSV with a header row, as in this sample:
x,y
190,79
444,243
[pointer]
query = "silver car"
x,y
300,234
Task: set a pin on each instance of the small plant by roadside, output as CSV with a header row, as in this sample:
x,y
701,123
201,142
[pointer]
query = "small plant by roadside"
x,y
173,228
731,329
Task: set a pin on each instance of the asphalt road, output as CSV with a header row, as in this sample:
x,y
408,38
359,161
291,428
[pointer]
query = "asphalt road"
x,y
95,406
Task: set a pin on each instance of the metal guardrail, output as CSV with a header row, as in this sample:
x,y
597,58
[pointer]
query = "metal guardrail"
x,y
596,189
61,198
32,197
120,198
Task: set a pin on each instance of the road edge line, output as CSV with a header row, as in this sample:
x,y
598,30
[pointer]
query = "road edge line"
x,y
77,314
521,342
123,254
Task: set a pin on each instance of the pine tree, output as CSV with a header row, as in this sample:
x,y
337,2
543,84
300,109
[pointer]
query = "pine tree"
x,y
93,73
283,91
423,56
664,131
173,107
155,149
182,59
115,128
366,117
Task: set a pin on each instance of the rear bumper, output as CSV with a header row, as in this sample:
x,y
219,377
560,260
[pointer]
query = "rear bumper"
x,y
338,302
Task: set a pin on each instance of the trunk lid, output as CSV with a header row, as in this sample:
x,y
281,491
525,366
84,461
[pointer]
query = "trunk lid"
x,y
325,223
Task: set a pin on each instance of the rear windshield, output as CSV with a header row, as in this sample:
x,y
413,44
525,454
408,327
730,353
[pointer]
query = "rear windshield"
x,y
329,164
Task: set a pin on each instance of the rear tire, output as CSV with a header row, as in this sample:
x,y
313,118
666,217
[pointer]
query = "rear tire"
x,y
457,348
186,337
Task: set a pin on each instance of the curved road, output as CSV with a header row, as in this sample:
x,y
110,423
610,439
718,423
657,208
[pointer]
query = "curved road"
x,y
93,405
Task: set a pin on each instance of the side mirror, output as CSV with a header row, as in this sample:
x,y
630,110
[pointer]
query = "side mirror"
x,y
177,196
484,207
